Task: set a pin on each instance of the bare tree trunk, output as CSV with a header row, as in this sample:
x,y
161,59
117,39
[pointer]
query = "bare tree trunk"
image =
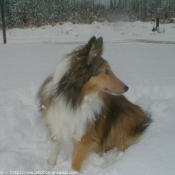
x,y
111,4
167,9
119,4
115,3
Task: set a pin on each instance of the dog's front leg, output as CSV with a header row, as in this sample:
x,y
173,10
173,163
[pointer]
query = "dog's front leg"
x,y
54,149
81,150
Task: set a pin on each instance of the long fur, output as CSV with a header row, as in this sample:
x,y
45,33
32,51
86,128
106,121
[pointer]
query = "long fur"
x,y
82,106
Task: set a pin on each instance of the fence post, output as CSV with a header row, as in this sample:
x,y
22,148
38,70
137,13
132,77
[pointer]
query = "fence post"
x,y
3,21
157,22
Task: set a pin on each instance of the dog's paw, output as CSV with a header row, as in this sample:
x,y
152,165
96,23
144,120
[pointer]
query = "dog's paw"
x,y
76,167
72,171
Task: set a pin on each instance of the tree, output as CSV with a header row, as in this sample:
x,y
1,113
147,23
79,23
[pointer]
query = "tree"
x,y
113,4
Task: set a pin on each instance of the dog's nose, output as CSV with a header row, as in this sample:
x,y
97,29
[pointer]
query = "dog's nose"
x,y
126,88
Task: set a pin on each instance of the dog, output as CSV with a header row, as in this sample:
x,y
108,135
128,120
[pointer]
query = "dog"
x,y
84,109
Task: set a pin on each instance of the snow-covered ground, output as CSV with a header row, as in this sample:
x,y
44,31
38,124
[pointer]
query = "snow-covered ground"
x,y
79,33
148,69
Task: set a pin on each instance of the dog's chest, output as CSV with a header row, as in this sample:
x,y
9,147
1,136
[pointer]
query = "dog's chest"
x,y
67,124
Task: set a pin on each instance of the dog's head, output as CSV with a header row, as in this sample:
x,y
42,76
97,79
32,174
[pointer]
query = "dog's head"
x,y
89,73
103,79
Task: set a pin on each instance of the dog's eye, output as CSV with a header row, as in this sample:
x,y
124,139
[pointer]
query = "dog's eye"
x,y
106,72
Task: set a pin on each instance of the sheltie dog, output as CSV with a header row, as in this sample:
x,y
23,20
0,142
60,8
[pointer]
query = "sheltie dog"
x,y
83,108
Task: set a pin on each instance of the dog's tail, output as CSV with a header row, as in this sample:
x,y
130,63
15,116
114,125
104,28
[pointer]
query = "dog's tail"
x,y
141,128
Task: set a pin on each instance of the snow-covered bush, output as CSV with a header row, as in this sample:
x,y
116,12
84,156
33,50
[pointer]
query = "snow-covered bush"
x,y
172,20
28,13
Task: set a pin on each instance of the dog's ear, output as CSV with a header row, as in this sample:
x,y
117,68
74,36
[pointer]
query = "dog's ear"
x,y
91,41
96,47
100,43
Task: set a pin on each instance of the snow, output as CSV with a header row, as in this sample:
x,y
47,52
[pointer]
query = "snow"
x,y
79,33
147,68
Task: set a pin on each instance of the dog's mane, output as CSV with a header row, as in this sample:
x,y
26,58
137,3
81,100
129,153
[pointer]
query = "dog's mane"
x,y
81,68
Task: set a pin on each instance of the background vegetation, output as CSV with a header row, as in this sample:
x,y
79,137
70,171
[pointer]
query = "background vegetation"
x,y
29,13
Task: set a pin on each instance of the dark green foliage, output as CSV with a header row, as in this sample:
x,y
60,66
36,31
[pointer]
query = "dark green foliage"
x,y
29,13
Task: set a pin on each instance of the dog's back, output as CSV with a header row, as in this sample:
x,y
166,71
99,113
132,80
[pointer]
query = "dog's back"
x,y
120,125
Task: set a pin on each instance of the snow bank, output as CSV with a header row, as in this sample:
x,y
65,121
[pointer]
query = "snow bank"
x,y
80,33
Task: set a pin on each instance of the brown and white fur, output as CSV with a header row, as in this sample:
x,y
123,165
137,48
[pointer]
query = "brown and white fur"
x,y
83,108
